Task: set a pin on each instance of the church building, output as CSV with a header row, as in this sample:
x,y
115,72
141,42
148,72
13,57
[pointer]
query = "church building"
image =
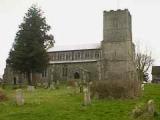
x,y
113,59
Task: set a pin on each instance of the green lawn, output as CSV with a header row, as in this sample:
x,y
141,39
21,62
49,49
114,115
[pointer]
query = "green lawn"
x,y
62,104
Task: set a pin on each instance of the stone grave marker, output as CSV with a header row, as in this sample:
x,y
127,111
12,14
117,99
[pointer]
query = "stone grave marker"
x,y
86,93
30,88
19,97
151,107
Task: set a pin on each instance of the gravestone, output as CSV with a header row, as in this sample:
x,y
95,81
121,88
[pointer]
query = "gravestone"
x,y
151,107
30,88
19,97
86,93
45,84
52,86
39,84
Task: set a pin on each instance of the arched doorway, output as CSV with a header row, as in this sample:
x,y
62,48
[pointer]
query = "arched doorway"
x,y
76,75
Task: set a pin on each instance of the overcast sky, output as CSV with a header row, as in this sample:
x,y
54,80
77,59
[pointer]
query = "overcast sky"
x,y
80,21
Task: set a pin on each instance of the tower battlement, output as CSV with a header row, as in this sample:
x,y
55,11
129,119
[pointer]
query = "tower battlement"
x,y
119,10
117,25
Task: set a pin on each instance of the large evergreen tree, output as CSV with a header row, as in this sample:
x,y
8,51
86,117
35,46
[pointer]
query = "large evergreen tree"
x,y
28,54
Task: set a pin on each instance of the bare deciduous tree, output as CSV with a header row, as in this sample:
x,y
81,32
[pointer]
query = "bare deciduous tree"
x,y
143,63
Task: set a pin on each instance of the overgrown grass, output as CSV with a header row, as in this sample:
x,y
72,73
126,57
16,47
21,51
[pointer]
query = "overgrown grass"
x,y
63,104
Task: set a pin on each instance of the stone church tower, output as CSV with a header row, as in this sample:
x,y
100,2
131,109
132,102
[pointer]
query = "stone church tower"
x,y
118,51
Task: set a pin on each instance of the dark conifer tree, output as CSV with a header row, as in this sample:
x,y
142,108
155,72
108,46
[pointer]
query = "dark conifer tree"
x,y
28,54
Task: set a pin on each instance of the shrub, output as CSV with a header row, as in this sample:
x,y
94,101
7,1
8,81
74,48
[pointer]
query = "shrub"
x,y
105,89
139,110
99,89
2,96
145,111
72,83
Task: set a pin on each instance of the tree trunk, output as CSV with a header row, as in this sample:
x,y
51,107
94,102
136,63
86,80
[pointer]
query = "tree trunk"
x,y
34,79
29,78
140,75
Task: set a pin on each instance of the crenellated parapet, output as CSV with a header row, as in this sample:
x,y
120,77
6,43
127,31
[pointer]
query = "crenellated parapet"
x,y
117,25
115,11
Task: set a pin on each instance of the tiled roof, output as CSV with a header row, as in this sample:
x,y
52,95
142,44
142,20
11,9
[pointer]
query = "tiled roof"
x,y
74,61
75,47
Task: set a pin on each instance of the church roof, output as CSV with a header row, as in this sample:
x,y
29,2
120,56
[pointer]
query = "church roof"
x,y
74,61
75,47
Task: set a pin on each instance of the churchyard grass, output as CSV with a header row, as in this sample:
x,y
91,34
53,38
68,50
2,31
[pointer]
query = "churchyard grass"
x,y
64,104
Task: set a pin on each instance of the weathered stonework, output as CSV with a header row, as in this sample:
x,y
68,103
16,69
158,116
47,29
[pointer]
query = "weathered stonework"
x,y
118,51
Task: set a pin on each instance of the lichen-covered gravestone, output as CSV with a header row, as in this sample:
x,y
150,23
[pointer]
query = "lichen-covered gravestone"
x,y
19,97
151,107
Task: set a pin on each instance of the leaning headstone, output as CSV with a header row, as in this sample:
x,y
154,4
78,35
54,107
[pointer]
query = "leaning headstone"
x,y
30,88
151,107
19,97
